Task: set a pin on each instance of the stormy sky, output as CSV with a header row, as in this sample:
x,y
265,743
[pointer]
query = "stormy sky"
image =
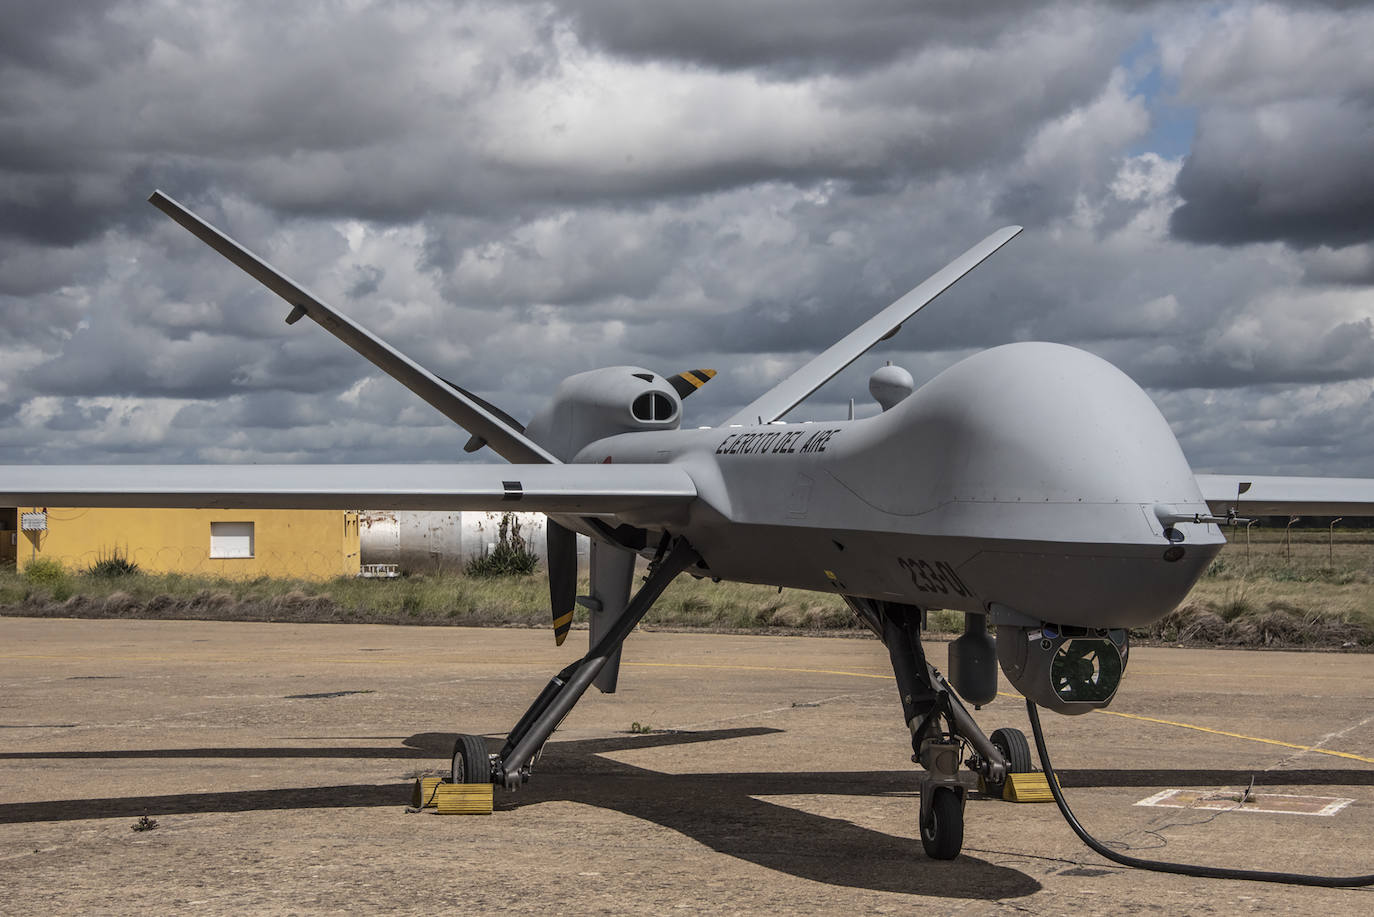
x,y
513,192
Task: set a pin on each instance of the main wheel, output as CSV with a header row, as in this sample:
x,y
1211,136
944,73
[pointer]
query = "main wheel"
x,y
471,763
1012,744
942,830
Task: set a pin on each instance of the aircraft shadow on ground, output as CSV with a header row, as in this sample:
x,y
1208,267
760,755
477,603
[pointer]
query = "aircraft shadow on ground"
x,y
719,810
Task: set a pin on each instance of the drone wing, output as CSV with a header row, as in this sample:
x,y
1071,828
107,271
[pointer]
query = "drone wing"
x,y
473,414
570,489
1269,495
787,394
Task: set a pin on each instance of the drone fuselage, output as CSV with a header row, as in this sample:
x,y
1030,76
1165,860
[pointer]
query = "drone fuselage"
x,y
1031,477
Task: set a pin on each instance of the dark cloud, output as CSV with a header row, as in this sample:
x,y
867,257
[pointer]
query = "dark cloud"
x,y
405,112
27,271
787,36
368,278
1349,266
1285,103
68,39
59,210
74,417
107,357
511,193
1316,430
1299,172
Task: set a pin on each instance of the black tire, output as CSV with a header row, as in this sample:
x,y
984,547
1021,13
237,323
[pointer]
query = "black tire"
x,y
471,763
1011,742
942,830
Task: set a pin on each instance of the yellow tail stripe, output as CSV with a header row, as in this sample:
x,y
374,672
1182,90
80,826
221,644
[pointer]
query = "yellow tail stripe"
x,y
699,377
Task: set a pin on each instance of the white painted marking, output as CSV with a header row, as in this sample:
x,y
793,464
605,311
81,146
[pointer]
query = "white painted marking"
x,y
1157,798
1227,801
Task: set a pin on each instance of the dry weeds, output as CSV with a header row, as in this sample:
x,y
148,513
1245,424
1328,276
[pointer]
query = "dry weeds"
x,y
1305,594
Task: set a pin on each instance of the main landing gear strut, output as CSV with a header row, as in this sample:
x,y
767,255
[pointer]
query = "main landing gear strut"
x,y
941,729
513,765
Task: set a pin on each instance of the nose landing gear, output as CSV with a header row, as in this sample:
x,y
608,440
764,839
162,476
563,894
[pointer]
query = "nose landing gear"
x,y
941,730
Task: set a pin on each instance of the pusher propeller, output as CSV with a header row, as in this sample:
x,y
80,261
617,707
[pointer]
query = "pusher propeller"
x,y
562,554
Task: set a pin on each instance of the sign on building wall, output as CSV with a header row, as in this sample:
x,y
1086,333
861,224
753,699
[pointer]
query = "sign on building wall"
x,y
33,522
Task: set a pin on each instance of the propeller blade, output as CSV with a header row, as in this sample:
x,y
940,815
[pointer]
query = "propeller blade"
x,y
685,383
562,546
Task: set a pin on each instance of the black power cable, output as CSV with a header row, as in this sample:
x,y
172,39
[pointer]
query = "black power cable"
x,y
1182,869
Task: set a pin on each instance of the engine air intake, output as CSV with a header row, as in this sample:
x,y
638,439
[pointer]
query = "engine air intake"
x,y
652,406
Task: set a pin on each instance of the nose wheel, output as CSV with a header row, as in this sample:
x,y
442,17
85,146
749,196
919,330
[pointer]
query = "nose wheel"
x,y
942,825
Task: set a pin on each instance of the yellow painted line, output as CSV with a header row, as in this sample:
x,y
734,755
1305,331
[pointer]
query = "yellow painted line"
x,y
1129,716
754,668
1236,735
1221,732
440,657
410,658
842,672
426,653
1288,676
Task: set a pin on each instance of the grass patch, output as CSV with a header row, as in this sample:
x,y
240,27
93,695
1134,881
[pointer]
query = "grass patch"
x,y
45,572
511,556
1311,591
113,564
449,598
48,576
1307,593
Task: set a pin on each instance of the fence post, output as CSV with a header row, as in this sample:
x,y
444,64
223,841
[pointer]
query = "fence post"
x,y
1330,537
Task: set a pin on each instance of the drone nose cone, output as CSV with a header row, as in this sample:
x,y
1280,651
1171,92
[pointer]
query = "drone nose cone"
x,y
1035,470
1023,424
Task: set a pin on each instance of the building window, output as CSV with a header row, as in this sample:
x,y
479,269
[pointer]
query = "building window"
x,y
231,539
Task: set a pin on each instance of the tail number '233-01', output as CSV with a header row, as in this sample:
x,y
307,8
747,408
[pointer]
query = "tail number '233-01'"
x,y
937,577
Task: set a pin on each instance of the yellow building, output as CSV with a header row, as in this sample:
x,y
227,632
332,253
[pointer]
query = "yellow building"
x,y
306,544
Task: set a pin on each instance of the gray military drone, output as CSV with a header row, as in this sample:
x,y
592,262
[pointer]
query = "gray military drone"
x,y
1032,486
